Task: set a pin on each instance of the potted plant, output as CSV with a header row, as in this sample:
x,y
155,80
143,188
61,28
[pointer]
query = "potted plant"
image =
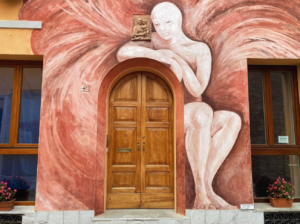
x,y
7,195
21,185
281,193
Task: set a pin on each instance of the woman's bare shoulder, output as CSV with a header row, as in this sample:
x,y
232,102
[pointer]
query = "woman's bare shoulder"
x,y
202,47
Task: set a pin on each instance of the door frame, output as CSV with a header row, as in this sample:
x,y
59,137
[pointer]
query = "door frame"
x,y
111,78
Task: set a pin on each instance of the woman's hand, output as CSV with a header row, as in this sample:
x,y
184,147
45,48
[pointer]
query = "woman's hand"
x,y
174,65
176,68
187,74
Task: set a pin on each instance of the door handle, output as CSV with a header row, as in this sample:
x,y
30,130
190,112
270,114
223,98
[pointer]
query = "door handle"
x,y
143,143
138,148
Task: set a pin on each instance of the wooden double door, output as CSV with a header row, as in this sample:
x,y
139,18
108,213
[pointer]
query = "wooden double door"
x,y
140,143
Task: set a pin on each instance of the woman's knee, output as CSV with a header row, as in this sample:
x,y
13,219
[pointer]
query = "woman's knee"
x,y
203,116
234,121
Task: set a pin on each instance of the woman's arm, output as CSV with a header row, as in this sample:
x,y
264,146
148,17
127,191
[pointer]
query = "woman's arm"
x,y
189,77
145,50
195,83
204,63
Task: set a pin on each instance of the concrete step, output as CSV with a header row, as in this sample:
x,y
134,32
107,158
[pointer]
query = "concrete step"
x,y
141,216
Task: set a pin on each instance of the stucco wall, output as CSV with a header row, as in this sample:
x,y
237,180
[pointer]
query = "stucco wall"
x,y
17,41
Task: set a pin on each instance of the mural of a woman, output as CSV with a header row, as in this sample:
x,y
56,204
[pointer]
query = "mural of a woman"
x,y
209,135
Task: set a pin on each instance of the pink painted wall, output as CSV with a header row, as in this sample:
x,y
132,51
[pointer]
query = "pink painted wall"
x,y
79,41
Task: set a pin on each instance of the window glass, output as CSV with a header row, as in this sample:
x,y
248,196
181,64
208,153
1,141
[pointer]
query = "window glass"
x,y
282,107
266,169
256,103
19,171
6,88
30,105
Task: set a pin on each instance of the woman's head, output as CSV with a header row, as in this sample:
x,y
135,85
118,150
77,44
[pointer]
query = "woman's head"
x,y
167,20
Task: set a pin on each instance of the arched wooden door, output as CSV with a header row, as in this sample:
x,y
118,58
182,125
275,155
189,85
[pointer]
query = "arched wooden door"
x,y
141,143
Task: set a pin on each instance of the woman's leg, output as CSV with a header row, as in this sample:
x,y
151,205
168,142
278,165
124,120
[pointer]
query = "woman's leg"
x,y
198,118
225,129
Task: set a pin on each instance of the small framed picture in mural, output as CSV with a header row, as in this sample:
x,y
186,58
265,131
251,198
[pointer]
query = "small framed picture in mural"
x,y
141,27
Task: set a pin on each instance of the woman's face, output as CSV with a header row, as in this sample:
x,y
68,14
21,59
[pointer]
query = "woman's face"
x,y
165,25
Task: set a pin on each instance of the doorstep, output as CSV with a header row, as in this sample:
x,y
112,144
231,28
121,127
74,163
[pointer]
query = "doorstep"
x,y
149,215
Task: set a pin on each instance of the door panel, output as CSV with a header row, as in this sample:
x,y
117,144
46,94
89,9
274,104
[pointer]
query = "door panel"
x,y
124,200
157,146
125,114
125,143
157,168
128,89
157,114
123,182
157,200
157,179
123,179
141,154
155,88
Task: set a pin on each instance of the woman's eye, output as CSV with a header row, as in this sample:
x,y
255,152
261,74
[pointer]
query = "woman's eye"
x,y
169,22
156,25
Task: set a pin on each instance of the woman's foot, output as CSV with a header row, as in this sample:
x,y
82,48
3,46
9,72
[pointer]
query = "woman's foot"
x,y
202,201
219,202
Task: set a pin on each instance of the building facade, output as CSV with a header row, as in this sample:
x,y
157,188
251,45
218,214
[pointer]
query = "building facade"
x,y
184,105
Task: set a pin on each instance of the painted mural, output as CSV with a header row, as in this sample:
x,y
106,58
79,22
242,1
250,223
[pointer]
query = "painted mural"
x,y
209,135
205,43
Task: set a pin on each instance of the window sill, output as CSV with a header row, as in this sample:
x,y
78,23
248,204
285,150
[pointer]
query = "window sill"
x,y
20,210
266,207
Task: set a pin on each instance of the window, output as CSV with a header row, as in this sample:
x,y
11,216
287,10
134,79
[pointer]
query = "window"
x,y
20,102
274,124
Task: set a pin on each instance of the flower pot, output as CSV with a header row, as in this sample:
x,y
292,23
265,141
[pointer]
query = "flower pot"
x,y
7,205
281,202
